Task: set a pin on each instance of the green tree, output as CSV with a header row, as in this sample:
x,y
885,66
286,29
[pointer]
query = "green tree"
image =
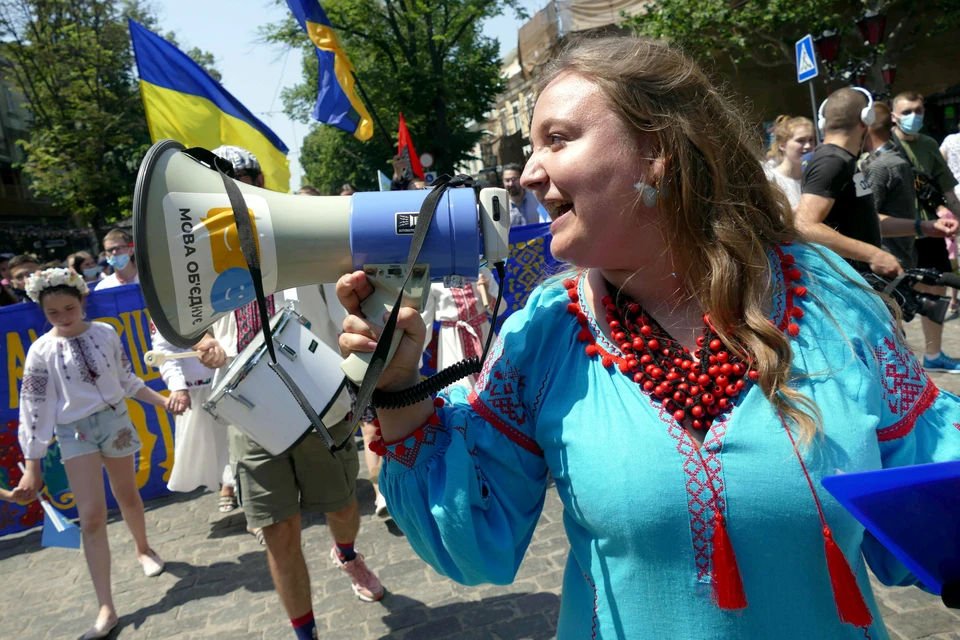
x,y
764,32
74,63
427,59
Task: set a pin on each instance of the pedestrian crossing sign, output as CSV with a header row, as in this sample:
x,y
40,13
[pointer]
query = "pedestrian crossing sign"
x,y
806,60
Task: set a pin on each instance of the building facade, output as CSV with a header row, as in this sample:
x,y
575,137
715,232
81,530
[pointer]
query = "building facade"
x,y
506,129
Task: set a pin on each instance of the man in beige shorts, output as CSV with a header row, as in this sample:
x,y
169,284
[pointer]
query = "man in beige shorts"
x,y
273,490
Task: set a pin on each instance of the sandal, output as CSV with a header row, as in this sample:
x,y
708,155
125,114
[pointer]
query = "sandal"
x,y
153,566
101,631
227,504
258,534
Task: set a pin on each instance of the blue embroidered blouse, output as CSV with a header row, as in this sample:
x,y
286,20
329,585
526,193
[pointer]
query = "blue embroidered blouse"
x,y
639,497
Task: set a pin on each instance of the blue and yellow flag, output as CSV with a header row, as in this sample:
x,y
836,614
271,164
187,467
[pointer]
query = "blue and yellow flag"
x,y
185,104
337,100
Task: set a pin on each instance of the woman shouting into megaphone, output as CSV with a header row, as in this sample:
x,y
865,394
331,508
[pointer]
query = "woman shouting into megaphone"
x,y
687,384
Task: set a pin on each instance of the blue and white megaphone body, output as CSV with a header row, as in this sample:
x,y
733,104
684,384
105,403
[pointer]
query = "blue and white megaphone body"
x,y
193,271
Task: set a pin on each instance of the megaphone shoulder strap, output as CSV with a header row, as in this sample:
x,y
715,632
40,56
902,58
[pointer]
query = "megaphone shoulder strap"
x,y
248,246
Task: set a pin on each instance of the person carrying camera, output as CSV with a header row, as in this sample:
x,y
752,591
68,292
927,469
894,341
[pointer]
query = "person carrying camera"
x,y
836,205
890,177
934,185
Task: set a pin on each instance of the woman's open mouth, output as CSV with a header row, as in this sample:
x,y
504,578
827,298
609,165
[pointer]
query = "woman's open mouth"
x,y
557,209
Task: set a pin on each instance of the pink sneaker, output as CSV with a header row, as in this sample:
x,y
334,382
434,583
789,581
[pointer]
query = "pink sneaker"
x,y
365,583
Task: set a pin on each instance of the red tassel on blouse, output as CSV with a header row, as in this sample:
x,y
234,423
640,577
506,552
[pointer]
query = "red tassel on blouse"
x,y
851,607
846,591
727,582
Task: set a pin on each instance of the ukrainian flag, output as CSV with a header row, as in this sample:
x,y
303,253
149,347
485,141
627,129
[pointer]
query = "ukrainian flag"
x,y
337,100
185,104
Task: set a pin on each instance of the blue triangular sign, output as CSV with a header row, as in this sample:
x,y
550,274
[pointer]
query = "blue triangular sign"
x,y
58,531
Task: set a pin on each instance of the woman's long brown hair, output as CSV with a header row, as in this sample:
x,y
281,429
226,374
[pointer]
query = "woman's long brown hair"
x,y
719,213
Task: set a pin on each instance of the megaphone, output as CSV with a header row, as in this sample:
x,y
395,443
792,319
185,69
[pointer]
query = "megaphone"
x,y
192,269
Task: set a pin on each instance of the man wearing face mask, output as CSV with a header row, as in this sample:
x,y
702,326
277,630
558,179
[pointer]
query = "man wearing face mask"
x,y
836,207
118,245
924,154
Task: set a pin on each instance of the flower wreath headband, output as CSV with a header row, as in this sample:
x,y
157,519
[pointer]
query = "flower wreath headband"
x,y
47,278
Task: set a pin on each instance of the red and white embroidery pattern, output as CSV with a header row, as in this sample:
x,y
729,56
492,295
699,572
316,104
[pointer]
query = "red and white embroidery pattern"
x,y
907,391
700,498
84,360
498,399
412,450
493,356
35,385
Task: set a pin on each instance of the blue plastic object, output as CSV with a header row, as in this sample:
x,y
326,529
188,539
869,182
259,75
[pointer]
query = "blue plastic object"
x,y
58,531
913,511
382,224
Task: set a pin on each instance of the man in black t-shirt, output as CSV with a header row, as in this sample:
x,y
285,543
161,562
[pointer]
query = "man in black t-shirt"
x,y
836,206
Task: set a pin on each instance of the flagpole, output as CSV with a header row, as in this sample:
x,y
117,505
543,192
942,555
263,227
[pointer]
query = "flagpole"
x,y
373,111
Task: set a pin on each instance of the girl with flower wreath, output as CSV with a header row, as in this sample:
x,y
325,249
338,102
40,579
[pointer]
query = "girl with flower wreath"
x,y
687,386
76,379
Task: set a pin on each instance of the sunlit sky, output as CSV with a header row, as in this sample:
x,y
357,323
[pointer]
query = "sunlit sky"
x,y
256,72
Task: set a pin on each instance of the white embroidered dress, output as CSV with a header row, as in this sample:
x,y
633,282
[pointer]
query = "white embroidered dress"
x,y
200,457
464,324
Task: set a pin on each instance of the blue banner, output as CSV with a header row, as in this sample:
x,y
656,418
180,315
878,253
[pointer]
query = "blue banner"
x,y
124,309
529,264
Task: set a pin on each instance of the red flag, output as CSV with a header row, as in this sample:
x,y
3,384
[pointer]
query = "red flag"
x,y
408,155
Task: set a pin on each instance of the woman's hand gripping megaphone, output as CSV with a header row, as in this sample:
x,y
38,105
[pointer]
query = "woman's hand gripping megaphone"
x,y
360,334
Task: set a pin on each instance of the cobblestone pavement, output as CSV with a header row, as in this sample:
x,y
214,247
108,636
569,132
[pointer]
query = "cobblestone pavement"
x,y
217,584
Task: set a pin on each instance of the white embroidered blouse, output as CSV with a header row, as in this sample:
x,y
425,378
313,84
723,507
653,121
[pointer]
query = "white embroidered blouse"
x,y
66,379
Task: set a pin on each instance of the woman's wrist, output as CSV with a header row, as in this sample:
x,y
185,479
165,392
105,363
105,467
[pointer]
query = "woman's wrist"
x,y
397,424
410,380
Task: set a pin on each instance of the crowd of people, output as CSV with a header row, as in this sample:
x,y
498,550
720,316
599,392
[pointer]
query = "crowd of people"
x,y
111,268
858,193
77,375
712,338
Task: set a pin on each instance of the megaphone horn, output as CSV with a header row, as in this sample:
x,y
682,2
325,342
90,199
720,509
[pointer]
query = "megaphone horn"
x,y
192,268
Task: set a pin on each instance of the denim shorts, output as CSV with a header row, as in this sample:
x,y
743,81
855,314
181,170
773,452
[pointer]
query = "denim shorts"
x,y
108,432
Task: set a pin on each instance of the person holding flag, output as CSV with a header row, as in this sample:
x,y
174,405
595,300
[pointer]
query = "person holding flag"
x,y
406,164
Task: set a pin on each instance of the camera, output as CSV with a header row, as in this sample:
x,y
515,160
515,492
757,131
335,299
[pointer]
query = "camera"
x,y
911,301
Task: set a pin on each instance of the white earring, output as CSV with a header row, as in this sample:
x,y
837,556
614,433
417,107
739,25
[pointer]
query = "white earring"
x,y
648,193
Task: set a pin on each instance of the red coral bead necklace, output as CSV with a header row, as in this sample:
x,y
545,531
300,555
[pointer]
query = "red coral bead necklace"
x,y
701,386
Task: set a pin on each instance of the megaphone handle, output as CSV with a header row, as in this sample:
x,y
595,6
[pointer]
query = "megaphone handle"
x,y
381,301
355,365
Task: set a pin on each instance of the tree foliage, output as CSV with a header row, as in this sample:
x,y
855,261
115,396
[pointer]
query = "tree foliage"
x,y
764,31
74,63
426,58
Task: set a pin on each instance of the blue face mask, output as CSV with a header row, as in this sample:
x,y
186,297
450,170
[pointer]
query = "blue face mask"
x,y
911,123
90,273
118,261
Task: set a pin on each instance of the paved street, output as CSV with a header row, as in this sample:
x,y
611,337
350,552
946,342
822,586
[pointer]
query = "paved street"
x,y
217,584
